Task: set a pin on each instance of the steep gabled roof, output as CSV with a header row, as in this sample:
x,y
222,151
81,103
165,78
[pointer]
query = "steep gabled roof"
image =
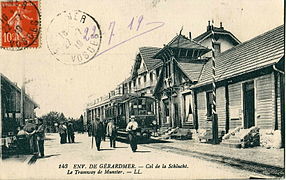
x,y
192,69
147,54
217,30
180,41
257,53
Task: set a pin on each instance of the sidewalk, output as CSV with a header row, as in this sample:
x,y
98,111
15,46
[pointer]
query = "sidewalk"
x,y
257,158
27,159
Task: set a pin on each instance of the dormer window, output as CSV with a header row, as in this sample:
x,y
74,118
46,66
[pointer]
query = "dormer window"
x,y
217,47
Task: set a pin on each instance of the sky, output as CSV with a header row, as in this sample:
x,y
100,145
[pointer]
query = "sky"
x,y
67,88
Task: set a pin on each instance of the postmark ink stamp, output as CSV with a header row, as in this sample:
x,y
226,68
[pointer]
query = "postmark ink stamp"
x,y
74,37
20,24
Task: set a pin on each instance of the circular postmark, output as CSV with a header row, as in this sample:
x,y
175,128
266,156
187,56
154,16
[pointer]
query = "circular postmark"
x,y
20,24
74,37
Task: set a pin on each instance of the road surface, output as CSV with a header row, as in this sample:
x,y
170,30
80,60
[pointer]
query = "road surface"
x,y
79,161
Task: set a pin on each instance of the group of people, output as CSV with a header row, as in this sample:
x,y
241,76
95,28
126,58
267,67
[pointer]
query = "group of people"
x,y
99,131
31,138
66,132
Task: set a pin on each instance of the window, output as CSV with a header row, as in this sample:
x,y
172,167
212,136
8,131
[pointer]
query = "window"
x,y
151,76
139,81
134,82
157,72
129,86
188,108
217,47
145,78
166,111
209,103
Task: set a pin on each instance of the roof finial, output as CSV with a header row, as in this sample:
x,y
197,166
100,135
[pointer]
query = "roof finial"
x,y
212,25
181,30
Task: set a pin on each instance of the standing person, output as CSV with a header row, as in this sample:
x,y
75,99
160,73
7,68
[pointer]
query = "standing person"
x,y
62,132
89,129
40,133
131,128
70,131
104,129
98,132
111,132
30,128
66,132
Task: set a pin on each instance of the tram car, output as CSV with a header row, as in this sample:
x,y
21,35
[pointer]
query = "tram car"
x,y
143,108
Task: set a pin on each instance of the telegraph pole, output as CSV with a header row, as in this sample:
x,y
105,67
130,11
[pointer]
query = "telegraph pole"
x,y
214,113
22,110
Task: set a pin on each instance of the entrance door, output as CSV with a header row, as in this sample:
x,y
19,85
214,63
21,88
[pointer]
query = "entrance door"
x,y
176,119
248,104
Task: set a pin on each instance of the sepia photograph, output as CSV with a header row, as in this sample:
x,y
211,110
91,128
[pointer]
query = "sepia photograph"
x,y
142,89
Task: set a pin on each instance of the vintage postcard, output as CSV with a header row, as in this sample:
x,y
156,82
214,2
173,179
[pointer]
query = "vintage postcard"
x,y
142,89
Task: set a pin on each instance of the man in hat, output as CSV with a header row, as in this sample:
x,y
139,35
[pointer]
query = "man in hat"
x,y
131,128
70,131
98,132
111,132
62,131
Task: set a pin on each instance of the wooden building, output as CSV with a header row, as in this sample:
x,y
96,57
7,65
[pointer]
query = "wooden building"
x,y
183,60
142,80
10,105
250,86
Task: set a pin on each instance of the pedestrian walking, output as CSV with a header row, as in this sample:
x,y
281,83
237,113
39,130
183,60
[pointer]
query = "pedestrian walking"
x,y
131,128
62,131
111,132
98,132
70,131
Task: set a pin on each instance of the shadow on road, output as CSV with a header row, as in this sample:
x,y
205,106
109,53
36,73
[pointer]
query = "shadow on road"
x,y
143,151
48,156
151,141
106,149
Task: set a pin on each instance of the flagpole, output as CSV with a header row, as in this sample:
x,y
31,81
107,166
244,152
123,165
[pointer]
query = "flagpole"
x,y
214,113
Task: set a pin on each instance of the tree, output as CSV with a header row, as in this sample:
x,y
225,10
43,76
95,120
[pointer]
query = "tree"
x,y
52,118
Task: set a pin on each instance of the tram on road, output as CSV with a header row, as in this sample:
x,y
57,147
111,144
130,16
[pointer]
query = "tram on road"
x,y
143,108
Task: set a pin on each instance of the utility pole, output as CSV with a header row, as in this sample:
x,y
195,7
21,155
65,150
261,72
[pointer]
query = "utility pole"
x,y
22,110
214,113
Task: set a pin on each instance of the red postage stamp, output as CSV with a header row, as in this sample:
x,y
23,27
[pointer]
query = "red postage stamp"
x,y
20,24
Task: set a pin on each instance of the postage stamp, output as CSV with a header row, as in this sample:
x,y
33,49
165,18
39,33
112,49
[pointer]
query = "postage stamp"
x,y
74,37
20,24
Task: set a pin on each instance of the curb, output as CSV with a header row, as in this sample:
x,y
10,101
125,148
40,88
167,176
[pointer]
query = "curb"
x,y
261,168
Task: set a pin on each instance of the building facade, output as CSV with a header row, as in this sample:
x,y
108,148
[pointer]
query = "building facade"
x,y
250,83
184,59
11,113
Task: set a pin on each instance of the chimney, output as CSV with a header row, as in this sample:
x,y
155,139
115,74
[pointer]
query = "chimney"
x,y
209,26
221,25
190,35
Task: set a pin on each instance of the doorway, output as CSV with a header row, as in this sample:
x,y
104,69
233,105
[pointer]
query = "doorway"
x,y
248,104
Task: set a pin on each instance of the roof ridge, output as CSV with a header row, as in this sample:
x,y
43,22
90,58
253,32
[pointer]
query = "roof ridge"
x,y
245,42
193,41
